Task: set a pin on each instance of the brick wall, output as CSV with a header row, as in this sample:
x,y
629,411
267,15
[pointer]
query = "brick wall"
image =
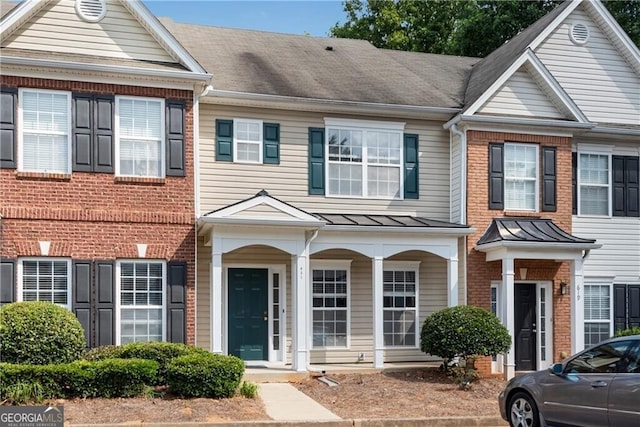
x,y
93,216
481,273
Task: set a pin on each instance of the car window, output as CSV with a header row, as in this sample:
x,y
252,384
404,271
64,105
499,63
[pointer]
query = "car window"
x,y
605,358
631,362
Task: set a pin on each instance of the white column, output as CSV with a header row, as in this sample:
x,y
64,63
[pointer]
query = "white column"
x,y
378,312
509,315
452,280
216,295
299,299
577,305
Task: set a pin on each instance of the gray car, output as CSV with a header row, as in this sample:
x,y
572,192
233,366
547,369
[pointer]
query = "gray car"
x,y
597,387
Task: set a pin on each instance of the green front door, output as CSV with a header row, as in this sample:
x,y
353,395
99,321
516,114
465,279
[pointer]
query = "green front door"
x,y
248,308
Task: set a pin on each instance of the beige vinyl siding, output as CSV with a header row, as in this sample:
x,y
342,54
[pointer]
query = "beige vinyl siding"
x,y
596,76
203,296
620,253
521,96
224,183
456,179
57,28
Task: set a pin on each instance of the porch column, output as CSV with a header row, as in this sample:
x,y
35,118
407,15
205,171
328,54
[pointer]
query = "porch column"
x,y
378,312
577,305
300,301
452,280
508,296
216,295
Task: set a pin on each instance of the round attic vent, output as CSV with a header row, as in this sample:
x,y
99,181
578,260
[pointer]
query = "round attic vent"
x,y
91,10
579,33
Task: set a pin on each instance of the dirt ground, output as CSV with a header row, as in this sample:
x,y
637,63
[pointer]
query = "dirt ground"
x,y
412,394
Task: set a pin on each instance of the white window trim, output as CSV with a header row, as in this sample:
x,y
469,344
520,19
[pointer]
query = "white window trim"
x,y
163,141
405,266
608,284
364,126
340,264
20,270
20,126
537,179
236,141
605,151
118,306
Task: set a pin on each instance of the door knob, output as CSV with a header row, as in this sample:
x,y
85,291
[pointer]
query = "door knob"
x,y
265,316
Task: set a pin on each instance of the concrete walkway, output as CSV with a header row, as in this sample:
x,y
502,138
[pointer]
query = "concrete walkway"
x,y
284,402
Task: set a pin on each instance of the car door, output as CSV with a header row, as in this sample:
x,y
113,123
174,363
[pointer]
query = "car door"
x,y
579,395
624,392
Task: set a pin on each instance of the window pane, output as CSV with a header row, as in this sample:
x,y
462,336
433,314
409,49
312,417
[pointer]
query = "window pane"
x,y
597,302
248,152
345,179
400,313
520,172
594,184
45,281
329,308
594,200
45,153
140,137
383,181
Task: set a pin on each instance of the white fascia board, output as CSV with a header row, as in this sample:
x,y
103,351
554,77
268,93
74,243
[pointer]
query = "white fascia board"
x,y
217,96
101,68
556,22
538,246
162,35
617,131
19,13
455,232
517,121
262,222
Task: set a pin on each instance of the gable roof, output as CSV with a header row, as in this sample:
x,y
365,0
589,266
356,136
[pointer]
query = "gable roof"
x,y
297,66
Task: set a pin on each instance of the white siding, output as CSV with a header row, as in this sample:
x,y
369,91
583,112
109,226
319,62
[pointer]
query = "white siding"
x,y
57,28
620,253
224,183
596,76
521,96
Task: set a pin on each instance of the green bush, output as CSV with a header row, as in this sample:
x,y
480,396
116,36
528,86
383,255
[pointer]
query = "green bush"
x,y
39,333
249,390
634,330
106,378
161,352
205,375
463,332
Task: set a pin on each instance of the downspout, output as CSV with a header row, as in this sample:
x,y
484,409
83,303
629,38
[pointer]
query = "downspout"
x,y
586,254
463,199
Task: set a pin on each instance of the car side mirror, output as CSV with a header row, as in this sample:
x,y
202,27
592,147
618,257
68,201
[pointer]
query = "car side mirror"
x,y
557,369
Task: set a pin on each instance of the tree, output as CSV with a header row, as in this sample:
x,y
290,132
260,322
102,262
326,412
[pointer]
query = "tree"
x,y
456,27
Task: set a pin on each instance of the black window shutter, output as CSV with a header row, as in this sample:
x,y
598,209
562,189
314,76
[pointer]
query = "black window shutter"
x,y
549,199
619,307
7,281
224,140
175,138
103,142
105,304
574,182
82,113
496,176
271,143
633,304
411,172
316,161
632,182
177,302
81,298
618,186
8,114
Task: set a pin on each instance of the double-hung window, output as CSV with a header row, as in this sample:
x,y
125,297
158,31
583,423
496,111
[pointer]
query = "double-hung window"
x,y
521,177
400,311
364,159
140,137
141,287
594,190
330,302
45,123
247,140
45,280
597,313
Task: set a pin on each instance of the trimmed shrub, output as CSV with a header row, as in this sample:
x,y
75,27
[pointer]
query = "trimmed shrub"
x,y
249,390
39,333
107,378
205,375
161,352
463,332
635,330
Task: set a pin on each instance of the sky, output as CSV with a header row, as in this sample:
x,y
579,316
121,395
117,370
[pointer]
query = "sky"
x,y
312,17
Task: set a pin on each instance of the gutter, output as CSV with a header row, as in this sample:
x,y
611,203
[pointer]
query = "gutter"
x,y
100,68
617,131
460,118
440,231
